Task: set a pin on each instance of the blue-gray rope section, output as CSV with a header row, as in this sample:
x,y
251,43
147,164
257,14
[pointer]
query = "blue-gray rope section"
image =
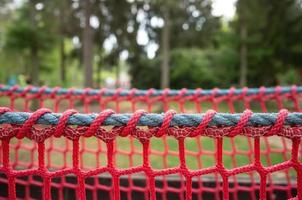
x,y
155,120
154,93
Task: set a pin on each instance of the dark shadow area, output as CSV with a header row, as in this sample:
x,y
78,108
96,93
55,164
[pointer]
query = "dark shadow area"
x,y
66,187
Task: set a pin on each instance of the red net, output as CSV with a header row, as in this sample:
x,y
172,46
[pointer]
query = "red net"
x,y
78,162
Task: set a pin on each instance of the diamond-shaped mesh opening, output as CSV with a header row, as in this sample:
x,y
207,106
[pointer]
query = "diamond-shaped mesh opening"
x,y
128,152
170,186
134,186
92,153
275,150
237,151
207,186
58,153
282,184
23,153
164,152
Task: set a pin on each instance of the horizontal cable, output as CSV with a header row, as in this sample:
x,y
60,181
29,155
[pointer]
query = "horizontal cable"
x,y
154,120
150,92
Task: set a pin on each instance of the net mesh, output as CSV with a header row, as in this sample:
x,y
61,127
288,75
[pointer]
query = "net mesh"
x,y
126,162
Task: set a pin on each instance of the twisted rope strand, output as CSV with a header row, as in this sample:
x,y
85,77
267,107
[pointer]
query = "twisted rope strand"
x,y
153,93
178,125
156,120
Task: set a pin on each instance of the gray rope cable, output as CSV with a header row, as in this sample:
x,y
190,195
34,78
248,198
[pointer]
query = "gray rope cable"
x,y
154,120
124,93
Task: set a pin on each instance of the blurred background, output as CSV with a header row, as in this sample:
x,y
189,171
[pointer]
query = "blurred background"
x,y
151,43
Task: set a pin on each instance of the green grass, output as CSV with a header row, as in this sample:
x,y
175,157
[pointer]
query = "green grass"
x,y
204,147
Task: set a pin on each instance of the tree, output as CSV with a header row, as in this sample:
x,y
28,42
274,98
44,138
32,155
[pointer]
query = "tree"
x,y
87,44
29,35
66,25
186,24
118,21
243,38
274,42
190,68
145,72
165,49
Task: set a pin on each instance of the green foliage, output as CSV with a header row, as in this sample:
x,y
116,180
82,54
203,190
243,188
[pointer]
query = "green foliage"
x,y
22,36
191,68
274,39
204,49
194,68
290,77
30,29
146,73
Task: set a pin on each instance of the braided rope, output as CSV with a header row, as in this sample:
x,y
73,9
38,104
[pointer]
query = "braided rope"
x,y
211,124
150,93
156,120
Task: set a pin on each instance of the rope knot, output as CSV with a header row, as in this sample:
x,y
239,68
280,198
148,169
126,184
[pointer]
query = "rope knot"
x,y
166,123
130,128
279,123
27,129
204,123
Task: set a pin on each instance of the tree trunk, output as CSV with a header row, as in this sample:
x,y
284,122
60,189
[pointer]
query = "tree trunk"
x,y
34,67
117,75
87,46
243,46
63,61
99,75
165,45
34,76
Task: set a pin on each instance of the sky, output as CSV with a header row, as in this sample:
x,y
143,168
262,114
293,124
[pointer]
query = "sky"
x,y
225,8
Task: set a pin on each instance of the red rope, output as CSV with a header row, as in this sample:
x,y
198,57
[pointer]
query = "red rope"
x,y
38,155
